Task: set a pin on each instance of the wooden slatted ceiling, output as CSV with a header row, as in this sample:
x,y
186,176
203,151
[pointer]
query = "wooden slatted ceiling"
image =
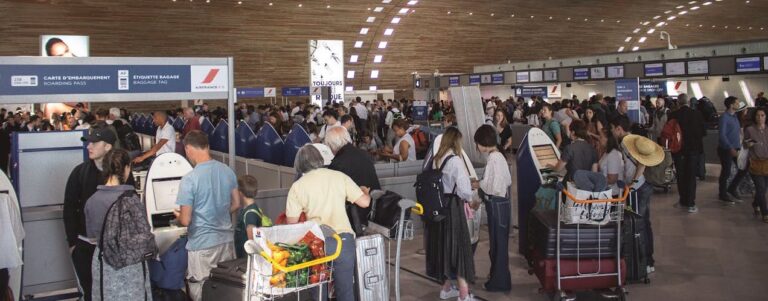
x,y
269,43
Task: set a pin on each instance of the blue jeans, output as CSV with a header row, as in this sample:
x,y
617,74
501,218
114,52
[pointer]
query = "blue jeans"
x,y
644,209
499,217
761,183
343,267
726,162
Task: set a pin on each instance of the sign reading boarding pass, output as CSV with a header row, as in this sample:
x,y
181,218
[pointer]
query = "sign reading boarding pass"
x,y
119,79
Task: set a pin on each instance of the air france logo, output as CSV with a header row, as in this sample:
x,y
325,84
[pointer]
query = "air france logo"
x,y
209,78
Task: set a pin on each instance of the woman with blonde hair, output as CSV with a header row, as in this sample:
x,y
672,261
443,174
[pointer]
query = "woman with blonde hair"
x,y
449,249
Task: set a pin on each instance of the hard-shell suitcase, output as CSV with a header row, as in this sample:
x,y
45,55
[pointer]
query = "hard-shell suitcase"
x,y
546,270
227,281
634,248
583,241
372,278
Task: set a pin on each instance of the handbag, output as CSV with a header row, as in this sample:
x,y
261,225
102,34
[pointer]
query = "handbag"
x,y
758,167
742,159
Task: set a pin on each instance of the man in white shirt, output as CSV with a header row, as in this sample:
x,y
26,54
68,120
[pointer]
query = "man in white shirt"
x,y
362,111
331,120
165,138
296,109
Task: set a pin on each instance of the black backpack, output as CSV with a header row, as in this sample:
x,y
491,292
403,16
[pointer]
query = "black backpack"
x,y
128,138
429,191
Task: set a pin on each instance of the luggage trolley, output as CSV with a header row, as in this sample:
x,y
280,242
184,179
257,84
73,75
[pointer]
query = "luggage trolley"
x,y
257,282
613,210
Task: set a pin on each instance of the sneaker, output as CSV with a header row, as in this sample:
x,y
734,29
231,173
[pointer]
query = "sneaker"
x,y
468,298
650,269
727,201
453,293
735,197
693,209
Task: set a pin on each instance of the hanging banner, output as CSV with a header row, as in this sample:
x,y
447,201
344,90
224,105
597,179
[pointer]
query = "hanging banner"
x,y
497,78
270,92
295,91
531,91
326,60
249,92
554,91
453,81
629,90
474,79
653,88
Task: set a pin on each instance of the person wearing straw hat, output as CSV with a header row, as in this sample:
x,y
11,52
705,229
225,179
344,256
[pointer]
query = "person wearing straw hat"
x,y
639,152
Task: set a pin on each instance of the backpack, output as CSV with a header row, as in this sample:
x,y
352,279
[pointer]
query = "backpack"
x,y
659,175
385,211
429,191
420,139
168,273
128,138
672,136
126,237
264,220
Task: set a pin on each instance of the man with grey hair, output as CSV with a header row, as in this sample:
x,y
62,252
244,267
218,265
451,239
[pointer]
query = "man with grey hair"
x,y
114,115
356,164
322,194
687,160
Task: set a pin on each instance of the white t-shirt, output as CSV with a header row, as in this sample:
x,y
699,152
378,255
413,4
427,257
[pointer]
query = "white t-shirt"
x,y
362,112
411,147
496,179
295,110
166,132
613,163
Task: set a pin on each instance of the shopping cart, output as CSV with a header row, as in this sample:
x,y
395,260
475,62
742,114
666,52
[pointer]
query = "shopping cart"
x,y
610,212
260,287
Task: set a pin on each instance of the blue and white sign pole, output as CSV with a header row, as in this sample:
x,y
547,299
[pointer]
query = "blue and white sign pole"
x,y
629,90
118,79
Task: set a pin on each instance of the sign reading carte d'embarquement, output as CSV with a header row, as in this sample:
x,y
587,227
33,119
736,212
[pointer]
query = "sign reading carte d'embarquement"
x,y
104,79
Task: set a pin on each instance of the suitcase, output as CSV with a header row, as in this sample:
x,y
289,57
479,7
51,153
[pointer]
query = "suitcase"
x,y
546,270
634,248
583,241
227,281
371,277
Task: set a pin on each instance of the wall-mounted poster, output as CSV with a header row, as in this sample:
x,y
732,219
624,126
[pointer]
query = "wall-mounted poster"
x,y
550,75
536,76
675,68
597,72
698,67
326,59
616,71
580,73
64,45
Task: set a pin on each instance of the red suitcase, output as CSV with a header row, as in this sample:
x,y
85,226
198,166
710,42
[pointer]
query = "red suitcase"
x,y
546,270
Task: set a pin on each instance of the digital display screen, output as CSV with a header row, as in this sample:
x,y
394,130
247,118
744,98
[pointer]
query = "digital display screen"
x,y
165,191
597,72
536,76
550,75
656,69
580,73
522,77
675,68
545,154
698,67
747,64
615,71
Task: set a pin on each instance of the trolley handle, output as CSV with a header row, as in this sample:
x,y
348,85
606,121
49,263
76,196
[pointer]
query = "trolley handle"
x,y
307,264
418,209
621,199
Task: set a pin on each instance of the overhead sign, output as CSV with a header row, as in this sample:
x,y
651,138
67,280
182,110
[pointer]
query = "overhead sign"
x,y
580,73
249,92
748,64
550,75
485,79
270,92
497,78
326,60
597,72
616,71
295,91
453,81
656,69
64,46
420,110
629,90
474,79
531,91
535,76
103,79
653,88
554,91
522,77
675,68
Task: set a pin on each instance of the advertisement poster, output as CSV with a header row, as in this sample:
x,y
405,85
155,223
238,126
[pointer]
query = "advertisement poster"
x,y
326,61
64,45
629,90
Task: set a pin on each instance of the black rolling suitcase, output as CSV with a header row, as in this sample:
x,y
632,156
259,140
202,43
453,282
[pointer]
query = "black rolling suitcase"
x,y
227,281
634,244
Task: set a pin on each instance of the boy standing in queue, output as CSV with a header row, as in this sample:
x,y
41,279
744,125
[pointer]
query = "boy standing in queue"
x,y
207,196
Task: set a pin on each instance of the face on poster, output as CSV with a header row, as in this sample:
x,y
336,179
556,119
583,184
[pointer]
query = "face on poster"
x,y
65,46
327,67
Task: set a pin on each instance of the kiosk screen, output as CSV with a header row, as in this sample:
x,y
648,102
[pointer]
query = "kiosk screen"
x,y
545,154
165,191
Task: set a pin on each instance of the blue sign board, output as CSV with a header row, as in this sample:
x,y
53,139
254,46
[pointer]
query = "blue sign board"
x,y
531,91
420,111
295,91
652,88
474,79
101,79
656,69
629,90
250,92
453,81
748,64
497,78
581,74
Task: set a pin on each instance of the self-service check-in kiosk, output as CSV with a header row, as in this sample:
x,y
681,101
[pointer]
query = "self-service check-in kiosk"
x,y
535,152
160,191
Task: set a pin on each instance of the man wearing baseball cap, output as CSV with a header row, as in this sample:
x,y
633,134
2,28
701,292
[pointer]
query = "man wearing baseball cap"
x,y
81,185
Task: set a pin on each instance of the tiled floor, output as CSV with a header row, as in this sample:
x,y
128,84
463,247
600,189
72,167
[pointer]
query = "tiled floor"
x,y
720,253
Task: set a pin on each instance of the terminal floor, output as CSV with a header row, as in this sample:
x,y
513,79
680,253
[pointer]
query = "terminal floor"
x,y
720,253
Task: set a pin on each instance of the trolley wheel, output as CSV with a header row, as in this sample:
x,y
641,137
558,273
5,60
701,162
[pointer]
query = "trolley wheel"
x,y
647,280
621,294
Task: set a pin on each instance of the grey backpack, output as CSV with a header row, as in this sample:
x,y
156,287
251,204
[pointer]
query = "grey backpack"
x,y
126,237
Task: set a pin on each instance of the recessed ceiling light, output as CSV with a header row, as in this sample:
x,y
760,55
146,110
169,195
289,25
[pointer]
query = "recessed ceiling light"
x,y
349,88
301,5
713,26
668,12
388,31
738,27
586,19
642,39
370,19
470,13
413,2
636,30
382,44
207,1
353,58
683,12
646,23
449,12
618,21
602,20
270,4
532,17
652,30
378,58
569,18
636,48
351,74
386,1
239,2
364,30
372,88
403,11
359,44
671,18
702,25
656,17
661,24
395,20
627,39
680,6
695,8
621,49
492,14
327,6
692,2
707,3
726,26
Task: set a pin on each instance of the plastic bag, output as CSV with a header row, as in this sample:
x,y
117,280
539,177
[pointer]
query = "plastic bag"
x,y
591,214
742,159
